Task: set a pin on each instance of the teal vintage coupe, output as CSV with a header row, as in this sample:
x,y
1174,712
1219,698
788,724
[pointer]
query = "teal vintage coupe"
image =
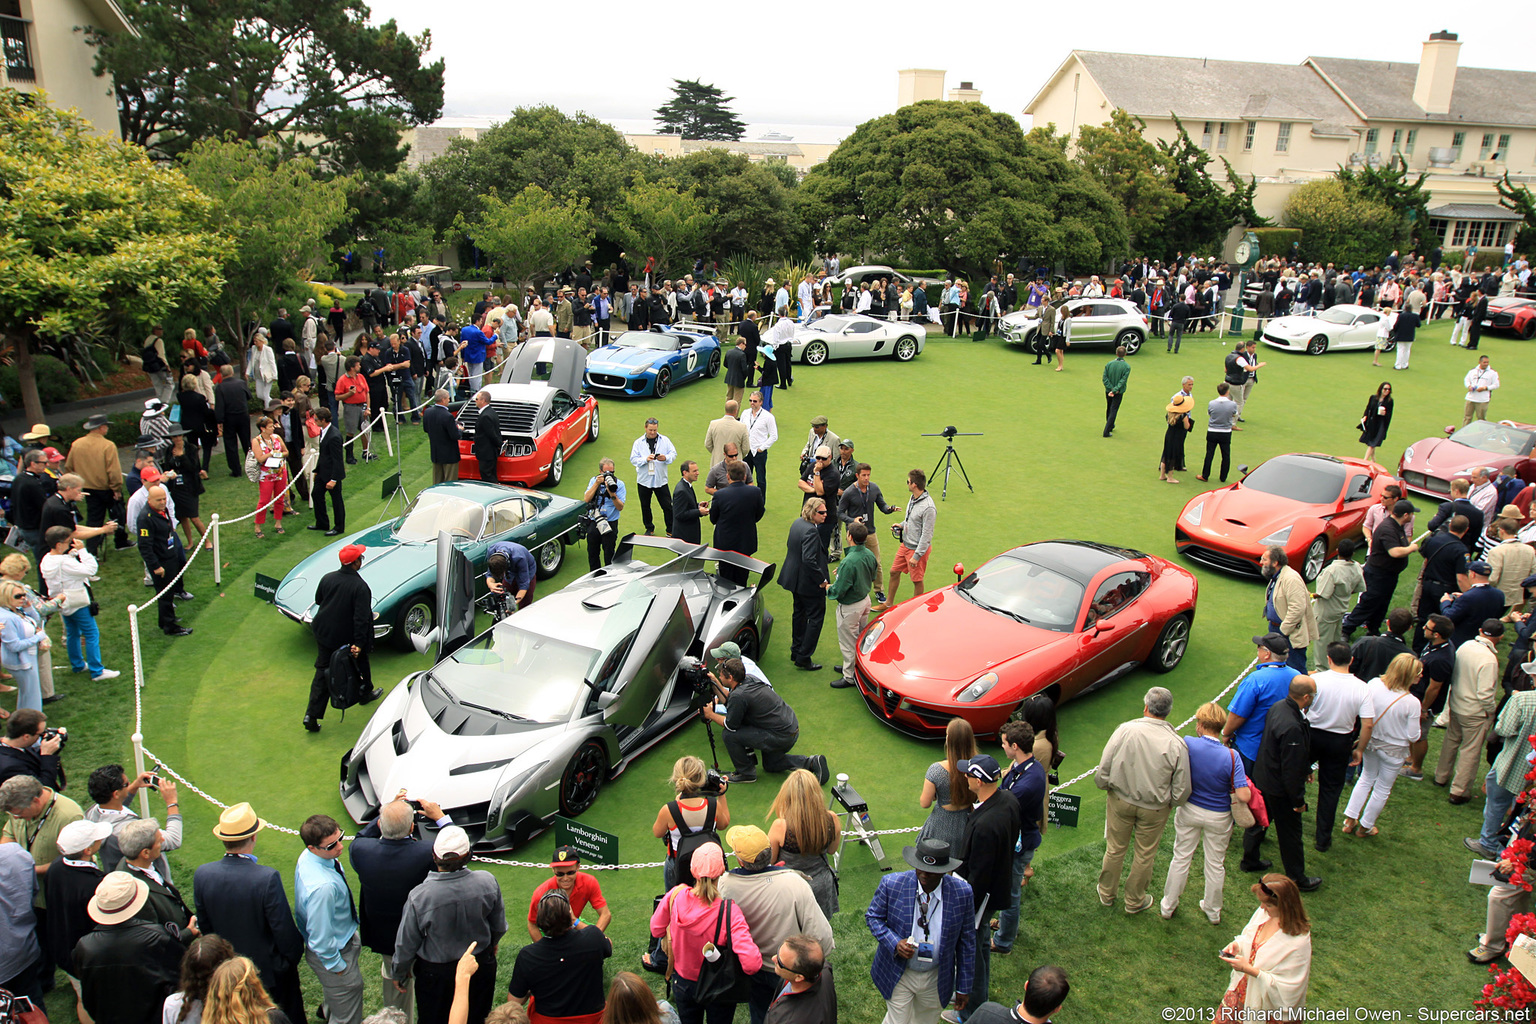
x,y
401,564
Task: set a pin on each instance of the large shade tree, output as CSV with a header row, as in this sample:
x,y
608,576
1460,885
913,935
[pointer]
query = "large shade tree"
x,y
1133,170
755,211
532,234
1338,225
311,76
92,234
956,185
699,111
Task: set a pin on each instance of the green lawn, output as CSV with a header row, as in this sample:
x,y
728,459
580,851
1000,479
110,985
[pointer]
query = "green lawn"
x,y
223,707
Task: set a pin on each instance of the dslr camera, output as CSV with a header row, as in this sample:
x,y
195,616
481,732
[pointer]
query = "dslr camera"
x,y
61,734
714,783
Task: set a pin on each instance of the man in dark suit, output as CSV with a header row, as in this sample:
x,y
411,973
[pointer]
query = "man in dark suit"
x,y
245,903
735,511
686,508
330,471
231,410
1460,506
804,575
1281,771
927,906
986,851
343,618
1469,609
738,370
487,436
389,863
442,438
141,844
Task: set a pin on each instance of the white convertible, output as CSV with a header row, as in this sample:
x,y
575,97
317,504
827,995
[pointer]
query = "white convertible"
x,y
1338,327
856,336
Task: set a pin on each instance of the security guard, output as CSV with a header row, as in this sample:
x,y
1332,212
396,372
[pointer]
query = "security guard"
x,y
163,558
343,618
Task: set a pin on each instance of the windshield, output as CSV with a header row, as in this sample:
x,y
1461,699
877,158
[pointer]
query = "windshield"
x,y
1336,316
1310,481
434,512
1025,591
1495,438
511,672
656,341
831,324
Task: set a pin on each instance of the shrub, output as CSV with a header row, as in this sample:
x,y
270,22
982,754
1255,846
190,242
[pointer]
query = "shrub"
x,y
1340,226
1276,241
325,294
55,384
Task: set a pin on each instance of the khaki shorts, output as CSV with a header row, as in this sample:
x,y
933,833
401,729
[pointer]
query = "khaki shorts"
x,y
907,561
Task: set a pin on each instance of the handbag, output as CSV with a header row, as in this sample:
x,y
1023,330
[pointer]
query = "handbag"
x,y
15,1009
722,980
252,468
1256,805
1242,814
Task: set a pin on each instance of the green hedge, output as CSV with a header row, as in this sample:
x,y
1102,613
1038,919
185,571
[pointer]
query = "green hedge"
x,y
1276,241
1486,256
55,384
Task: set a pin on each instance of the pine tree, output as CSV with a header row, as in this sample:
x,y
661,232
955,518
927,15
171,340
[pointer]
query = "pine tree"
x,y
699,111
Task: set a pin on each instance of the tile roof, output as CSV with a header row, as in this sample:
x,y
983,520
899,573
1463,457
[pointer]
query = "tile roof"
x,y
1384,91
1197,88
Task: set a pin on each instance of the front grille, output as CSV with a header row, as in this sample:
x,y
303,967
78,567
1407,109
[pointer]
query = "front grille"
x,y
606,380
1275,340
1220,560
1501,320
1434,485
513,417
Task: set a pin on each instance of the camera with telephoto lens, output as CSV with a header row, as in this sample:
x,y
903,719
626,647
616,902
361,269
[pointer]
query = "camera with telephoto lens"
x,y
609,481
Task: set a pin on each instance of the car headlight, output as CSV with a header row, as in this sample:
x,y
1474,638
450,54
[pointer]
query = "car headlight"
x,y
978,688
1408,454
1278,537
1195,514
649,370
872,637
511,781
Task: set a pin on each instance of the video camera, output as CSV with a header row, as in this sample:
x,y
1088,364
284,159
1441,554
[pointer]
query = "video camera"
x,y
693,672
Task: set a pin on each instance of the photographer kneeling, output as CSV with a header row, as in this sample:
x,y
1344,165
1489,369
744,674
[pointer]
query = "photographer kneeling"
x,y
511,572
605,497
757,719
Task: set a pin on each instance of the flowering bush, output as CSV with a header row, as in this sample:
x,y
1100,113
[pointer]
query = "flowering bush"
x,y
1510,990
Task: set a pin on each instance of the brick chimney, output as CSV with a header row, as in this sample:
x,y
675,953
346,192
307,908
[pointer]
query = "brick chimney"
x,y
1437,73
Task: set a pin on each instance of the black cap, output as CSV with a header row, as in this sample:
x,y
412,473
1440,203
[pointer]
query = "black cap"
x,y
1403,507
1275,643
1492,628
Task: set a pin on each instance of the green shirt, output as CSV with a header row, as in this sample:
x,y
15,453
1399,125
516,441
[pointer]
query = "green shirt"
x,y
1117,373
40,836
855,575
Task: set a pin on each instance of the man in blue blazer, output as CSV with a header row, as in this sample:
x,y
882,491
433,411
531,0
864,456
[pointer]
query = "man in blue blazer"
x,y
924,923
245,903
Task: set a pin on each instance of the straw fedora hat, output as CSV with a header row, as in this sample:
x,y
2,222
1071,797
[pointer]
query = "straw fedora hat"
x,y
237,823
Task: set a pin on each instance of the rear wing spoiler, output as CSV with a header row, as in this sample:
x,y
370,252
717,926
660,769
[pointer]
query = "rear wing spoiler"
x,y
688,549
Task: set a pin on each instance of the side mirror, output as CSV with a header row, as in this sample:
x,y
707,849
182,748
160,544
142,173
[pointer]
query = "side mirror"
x,y
1449,431
1103,626
1242,471
423,641
606,700
959,571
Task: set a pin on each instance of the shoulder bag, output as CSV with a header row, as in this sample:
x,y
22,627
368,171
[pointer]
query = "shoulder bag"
x,y
722,980
1242,814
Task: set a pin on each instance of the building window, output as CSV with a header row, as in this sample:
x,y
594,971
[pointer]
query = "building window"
x,y
1397,140
1487,146
1248,135
1503,147
1458,234
1437,229
1413,137
1205,136
1371,136
17,48
1457,141
1221,135
1283,138
1490,232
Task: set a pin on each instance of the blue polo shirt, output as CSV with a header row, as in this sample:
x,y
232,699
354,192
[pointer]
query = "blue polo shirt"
x,y
1212,773
1027,782
1263,688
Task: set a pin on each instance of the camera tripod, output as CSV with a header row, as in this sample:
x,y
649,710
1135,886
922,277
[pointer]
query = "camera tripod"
x,y
855,823
950,460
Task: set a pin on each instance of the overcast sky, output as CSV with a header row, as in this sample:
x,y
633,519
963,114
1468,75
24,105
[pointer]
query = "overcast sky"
x,y
834,65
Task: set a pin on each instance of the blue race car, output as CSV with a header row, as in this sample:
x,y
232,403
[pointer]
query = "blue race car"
x,y
652,362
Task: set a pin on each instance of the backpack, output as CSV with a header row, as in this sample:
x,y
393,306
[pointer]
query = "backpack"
x,y
687,842
151,359
343,681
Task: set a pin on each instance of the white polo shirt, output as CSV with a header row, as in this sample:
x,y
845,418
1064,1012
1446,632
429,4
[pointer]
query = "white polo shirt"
x,y
1341,698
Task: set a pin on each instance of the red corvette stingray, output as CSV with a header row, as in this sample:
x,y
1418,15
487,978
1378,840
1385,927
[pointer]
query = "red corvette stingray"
x,y
1058,617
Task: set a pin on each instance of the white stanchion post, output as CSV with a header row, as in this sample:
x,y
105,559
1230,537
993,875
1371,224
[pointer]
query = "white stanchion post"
x,y
138,705
389,442
138,771
218,573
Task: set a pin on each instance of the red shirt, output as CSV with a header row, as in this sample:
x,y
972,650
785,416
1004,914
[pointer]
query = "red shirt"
x,y
585,891
357,384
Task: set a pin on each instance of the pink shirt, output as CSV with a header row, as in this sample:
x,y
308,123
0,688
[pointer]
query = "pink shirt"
x,y
692,923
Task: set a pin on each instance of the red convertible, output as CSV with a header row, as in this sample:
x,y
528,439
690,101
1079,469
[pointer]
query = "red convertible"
x,y
1059,617
1429,465
1304,503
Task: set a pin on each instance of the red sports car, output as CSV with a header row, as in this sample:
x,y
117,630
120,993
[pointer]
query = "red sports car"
x,y
1428,466
541,425
1512,313
1304,503
1059,617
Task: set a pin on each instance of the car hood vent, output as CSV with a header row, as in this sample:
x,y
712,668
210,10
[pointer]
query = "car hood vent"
x,y
515,418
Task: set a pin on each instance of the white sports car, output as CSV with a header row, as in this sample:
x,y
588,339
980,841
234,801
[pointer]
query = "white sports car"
x,y
1338,327
856,336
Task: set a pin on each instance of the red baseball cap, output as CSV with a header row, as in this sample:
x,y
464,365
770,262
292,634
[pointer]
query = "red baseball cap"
x,y
150,475
351,553
54,455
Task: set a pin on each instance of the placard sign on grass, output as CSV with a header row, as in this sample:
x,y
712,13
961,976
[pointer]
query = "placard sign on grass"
x,y
594,845
266,588
1063,810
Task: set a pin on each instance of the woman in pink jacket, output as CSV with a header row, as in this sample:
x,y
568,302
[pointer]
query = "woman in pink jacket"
x,y
691,918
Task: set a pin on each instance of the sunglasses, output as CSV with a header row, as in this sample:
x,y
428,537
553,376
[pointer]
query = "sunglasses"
x,y
328,847
565,874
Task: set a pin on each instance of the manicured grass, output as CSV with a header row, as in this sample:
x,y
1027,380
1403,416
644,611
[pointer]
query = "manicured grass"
x,y
223,707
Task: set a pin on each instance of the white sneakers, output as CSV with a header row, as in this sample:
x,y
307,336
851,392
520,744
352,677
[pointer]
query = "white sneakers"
x,y
106,673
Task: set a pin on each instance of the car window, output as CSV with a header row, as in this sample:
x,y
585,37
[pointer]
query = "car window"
x,y
1336,316
606,677
1114,594
507,515
1367,318
1022,590
1359,488
1081,308
1107,309
560,407
1495,438
1308,481
434,512
658,341
861,327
